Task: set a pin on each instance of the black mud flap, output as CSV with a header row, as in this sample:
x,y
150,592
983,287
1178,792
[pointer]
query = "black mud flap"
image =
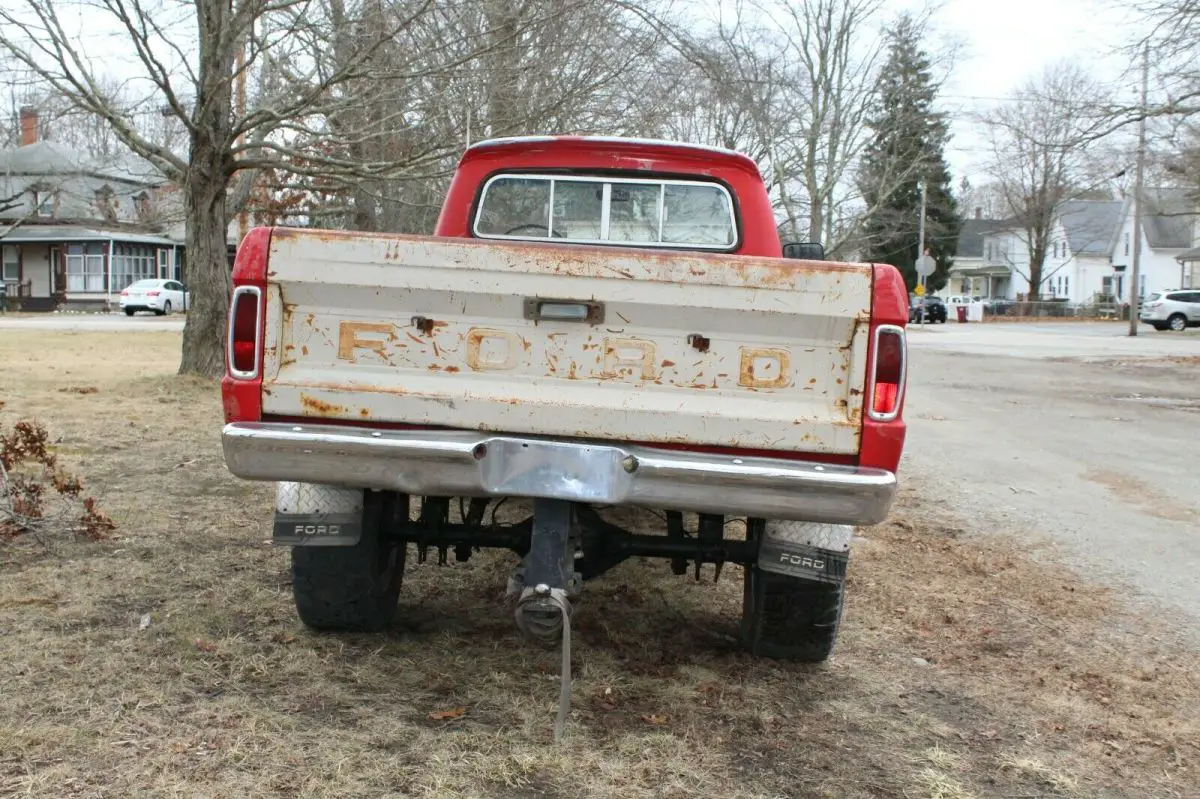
x,y
802,561
316,530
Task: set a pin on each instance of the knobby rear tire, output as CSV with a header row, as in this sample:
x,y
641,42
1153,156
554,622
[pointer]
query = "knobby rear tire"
x,y
356,588
790,618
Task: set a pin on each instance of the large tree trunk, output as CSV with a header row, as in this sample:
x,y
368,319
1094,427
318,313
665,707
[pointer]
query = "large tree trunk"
x,y
209,283
205,185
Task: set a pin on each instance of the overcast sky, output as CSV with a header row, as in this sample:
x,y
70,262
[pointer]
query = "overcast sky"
x,y
1001,44
1006,42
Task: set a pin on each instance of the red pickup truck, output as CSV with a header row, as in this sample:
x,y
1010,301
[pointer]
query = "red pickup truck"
x,y
595,322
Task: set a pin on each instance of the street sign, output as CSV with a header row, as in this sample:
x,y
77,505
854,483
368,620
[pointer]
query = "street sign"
x,y
925,265
919,291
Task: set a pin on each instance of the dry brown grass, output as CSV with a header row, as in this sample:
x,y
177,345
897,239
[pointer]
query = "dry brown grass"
x,y
1029,688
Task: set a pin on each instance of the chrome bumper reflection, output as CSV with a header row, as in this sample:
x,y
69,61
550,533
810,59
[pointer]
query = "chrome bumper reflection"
x,y
453,463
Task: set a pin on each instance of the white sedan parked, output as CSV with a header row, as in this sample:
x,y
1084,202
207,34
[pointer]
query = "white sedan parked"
x,y
160,296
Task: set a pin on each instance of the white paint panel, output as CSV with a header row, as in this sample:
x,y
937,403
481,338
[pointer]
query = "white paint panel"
x,y
784,367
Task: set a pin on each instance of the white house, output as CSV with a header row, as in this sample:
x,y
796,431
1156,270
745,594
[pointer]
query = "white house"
x,y
971,274
1089,252
1083,236
1168,232
1076,261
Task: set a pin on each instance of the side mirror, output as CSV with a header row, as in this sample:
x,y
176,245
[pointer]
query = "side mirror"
x,y
805,251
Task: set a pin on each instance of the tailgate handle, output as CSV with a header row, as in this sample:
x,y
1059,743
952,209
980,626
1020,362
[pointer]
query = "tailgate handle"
x,y
545,310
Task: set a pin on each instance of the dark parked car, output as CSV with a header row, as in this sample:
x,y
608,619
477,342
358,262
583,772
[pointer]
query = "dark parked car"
x,y
933,308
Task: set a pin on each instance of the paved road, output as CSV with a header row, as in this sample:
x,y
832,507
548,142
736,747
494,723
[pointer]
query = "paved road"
x,y
1087,340
90,321
1071,431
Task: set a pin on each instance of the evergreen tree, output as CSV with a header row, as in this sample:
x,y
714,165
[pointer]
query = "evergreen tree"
x,y
908,147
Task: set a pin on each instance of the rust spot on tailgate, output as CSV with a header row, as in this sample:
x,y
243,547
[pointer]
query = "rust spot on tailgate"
x,y
320,407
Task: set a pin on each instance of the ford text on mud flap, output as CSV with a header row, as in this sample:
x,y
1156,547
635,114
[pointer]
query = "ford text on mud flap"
x,y
596,322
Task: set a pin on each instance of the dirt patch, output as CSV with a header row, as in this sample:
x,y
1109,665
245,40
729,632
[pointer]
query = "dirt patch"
x,y
1141,494
170,660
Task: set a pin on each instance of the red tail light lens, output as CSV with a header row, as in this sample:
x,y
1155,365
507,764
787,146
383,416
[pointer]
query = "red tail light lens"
x,y
244,332
889,373
151,293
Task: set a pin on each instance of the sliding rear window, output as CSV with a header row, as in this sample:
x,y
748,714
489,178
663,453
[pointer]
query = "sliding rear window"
x,y
604,210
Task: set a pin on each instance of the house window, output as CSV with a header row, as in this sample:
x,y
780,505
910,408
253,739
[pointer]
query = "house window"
x,y
85,267
43,203
11,264
131,263
1066,286
1127,244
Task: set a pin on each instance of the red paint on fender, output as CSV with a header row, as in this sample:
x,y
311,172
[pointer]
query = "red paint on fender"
x,y
242,399
883,442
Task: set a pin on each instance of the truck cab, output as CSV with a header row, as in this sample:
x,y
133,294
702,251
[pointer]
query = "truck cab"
x,y
594,322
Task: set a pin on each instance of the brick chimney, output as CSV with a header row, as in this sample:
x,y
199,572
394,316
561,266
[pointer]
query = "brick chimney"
x,y
29,125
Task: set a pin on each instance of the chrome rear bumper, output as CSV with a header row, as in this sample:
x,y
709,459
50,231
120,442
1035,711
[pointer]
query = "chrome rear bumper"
x,y
453,463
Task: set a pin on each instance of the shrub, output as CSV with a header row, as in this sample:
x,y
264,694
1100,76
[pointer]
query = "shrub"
x,y
37,496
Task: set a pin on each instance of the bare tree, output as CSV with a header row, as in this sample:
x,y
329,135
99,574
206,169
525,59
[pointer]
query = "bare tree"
x,y
832,42
793,93
1039,155
259,42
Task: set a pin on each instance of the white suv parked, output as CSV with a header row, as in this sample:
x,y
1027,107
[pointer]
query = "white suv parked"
x,y
1172,309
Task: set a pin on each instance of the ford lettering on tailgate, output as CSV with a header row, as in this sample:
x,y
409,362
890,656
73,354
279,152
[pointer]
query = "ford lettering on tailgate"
x,y
574,357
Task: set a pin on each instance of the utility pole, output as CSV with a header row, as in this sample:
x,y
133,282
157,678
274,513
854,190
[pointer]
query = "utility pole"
x,y
1134,293
920,254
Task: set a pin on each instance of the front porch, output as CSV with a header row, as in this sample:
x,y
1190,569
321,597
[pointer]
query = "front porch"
x,y
53,267
987,281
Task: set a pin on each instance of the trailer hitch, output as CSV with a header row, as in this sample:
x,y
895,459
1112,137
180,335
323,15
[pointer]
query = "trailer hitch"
x,y
547,576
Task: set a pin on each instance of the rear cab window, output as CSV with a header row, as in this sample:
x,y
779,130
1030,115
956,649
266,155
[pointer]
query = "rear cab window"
x,y
639,212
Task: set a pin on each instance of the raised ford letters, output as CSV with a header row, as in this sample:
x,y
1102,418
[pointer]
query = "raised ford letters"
x,y
623,358
629,356
492,350
764,368
351,338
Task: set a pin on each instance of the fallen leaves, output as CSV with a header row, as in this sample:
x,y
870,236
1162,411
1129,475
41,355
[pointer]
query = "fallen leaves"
x,y
446,715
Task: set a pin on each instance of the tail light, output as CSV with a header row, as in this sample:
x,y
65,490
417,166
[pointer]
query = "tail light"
x,y
151,293
888,372
244,332
124,293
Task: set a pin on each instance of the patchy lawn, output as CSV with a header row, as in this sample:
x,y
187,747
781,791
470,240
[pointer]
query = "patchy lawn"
x,y
968,666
